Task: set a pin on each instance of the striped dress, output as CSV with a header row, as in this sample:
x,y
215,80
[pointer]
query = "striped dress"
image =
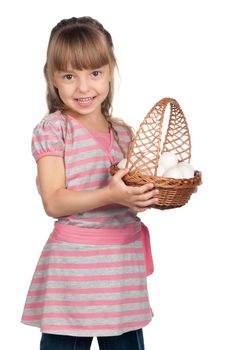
x,y
81,287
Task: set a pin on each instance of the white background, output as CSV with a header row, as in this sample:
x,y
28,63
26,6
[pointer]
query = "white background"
x,y
180,49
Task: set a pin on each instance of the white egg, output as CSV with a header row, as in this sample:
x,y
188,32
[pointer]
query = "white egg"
x,y
160,170
173,172
168,160
122,163
186,170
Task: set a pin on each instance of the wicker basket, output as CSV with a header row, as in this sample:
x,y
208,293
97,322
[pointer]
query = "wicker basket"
x,y
145,151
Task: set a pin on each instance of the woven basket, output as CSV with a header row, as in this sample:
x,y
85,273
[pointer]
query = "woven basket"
x,y
145,150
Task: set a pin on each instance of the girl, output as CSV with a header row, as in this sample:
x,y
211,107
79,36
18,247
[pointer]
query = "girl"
x,y
91,277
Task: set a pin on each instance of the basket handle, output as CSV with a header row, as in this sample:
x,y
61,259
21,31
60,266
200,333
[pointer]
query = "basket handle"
x,y
145,149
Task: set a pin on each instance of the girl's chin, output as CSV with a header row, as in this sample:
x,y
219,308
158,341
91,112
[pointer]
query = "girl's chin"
x,y
78,111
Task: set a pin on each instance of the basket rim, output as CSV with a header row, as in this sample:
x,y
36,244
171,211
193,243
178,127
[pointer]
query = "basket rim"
x,y
162,182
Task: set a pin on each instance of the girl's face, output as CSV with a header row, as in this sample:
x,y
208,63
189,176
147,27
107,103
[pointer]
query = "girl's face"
x,y
83,91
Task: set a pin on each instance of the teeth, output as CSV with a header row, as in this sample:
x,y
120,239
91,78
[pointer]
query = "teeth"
x,y
85,99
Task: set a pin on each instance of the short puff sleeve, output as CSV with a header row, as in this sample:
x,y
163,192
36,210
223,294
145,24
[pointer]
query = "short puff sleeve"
x,y
48,138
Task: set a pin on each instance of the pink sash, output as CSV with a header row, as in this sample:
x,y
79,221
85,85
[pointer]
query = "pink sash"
x,y
123,235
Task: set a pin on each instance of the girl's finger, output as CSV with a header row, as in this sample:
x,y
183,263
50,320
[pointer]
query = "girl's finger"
x,y
119,175
144,204
148,195
142,189
139,209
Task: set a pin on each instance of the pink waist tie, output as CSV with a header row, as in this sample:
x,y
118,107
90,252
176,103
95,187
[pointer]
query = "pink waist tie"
x,y
123,235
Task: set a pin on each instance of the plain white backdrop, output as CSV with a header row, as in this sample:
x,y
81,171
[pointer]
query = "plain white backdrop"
x,y
180,49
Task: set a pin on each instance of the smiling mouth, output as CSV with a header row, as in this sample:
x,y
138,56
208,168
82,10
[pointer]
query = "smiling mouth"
x,y
85,99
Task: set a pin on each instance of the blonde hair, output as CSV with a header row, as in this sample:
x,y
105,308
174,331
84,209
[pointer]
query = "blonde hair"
x,y
82,43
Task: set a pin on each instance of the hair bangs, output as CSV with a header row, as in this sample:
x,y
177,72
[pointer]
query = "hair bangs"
x,y
79,48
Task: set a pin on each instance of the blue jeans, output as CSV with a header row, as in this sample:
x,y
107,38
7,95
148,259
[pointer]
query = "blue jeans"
x,y
128,341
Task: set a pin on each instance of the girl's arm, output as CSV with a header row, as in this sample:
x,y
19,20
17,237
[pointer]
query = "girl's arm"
x,y
59,201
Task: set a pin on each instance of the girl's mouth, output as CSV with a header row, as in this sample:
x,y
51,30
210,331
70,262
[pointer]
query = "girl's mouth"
x,y
85,100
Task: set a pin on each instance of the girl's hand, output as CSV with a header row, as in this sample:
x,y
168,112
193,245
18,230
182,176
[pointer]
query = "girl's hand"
x,y
138,198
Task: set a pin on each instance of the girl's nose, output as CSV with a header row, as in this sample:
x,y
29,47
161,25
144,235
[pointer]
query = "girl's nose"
x,y
83,85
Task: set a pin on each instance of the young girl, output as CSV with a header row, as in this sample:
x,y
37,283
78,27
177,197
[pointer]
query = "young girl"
x,y
91,277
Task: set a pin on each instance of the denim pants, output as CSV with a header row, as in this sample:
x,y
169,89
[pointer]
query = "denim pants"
x,y
128,341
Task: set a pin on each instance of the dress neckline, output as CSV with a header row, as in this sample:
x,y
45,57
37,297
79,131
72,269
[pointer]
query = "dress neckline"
x,y
91,133
85,127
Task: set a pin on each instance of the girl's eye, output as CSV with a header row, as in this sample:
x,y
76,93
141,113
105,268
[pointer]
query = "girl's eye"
x,y
68,76
96,73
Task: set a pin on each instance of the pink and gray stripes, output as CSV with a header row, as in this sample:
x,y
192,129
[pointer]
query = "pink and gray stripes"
x,y
89,290
87,164
87,287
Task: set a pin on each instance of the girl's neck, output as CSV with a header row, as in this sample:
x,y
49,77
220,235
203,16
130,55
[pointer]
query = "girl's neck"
x,y
93,123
